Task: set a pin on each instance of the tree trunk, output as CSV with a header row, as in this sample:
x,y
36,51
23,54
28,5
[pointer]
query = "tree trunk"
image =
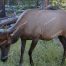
x,y
42,3
8,21
10,2
2,9
46,3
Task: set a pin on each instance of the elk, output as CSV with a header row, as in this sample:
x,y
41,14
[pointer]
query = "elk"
x,y
38,24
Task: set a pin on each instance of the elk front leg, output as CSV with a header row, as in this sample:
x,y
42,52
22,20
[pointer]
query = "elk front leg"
x,y
23,43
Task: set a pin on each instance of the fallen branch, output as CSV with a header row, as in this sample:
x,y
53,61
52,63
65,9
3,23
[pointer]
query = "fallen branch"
x,y
8,21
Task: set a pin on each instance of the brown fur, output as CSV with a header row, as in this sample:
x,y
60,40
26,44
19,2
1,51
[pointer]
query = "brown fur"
x,y
42,24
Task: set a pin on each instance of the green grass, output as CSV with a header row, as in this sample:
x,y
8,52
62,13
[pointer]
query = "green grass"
x,y
45,54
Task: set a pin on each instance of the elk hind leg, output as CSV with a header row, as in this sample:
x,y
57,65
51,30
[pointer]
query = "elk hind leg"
x,y
23,43
63,41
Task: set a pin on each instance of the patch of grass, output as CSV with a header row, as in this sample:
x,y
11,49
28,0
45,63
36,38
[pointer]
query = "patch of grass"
x,y
45,54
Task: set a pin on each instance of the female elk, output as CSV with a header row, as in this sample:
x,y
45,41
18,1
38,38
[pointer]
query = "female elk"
x,y
39,24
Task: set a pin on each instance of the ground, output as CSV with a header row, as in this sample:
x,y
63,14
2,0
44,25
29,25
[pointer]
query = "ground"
x,y
45,54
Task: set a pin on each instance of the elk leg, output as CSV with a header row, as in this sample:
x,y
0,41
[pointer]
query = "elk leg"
x,y
23,43
33,45
63,41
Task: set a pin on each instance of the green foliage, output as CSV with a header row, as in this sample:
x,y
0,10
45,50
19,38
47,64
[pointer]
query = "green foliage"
x,y
61,3
25,4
